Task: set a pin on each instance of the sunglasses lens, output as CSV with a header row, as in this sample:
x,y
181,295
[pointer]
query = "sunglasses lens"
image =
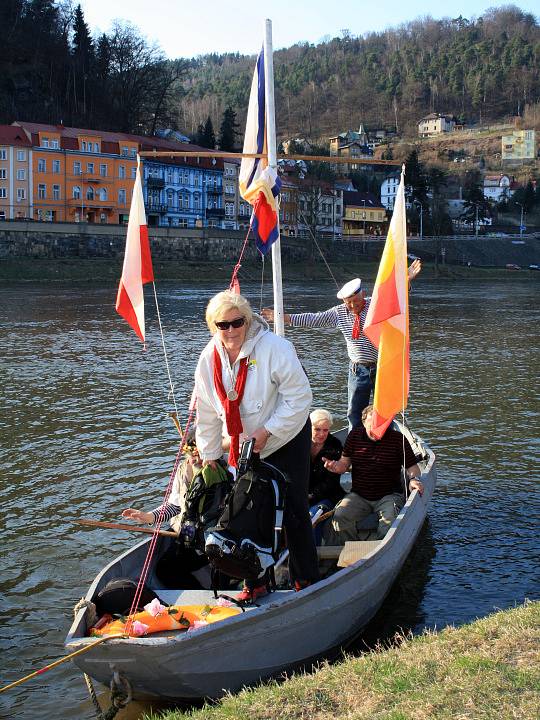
x,y
225,324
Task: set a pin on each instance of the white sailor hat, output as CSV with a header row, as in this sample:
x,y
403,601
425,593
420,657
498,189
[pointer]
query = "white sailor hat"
x,y
350,288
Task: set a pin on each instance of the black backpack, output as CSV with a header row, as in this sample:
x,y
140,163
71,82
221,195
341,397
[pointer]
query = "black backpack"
x,y
246,540
204,503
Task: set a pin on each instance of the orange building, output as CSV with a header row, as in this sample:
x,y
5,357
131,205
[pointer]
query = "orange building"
x,y
80,175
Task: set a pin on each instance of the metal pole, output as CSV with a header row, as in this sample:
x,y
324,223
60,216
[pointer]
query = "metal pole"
x,y
476,221
279,325
521,223
421,221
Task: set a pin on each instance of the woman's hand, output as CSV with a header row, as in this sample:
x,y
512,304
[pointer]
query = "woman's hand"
x,y
416,484
139,516
260,436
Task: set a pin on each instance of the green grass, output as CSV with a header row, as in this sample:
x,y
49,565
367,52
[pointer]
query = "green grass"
x,y
488,670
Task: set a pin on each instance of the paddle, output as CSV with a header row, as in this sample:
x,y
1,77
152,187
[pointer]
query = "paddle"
x,y
124,526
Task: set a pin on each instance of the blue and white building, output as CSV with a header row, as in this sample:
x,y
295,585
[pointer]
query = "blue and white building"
x,y
184,192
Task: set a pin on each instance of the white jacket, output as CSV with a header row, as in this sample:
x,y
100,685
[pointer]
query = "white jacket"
x,y
277,394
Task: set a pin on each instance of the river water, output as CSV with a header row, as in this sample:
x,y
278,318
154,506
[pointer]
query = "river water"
x,y
85,432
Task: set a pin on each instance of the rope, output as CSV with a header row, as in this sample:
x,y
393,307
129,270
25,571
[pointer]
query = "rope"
x,y
238,265
92,616
62,660
171,384
262,286
157,526
302,216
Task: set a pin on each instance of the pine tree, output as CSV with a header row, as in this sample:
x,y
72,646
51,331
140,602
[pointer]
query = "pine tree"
x,y
228,131
205,135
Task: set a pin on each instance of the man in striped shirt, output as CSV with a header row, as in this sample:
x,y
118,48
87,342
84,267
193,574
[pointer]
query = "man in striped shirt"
x,y
349,318
376,479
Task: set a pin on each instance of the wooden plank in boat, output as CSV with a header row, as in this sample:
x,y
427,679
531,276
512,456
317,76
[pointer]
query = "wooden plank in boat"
x,y
355,550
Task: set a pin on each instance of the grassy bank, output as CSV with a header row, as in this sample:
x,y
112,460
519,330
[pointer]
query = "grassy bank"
x,y
488,669
105,270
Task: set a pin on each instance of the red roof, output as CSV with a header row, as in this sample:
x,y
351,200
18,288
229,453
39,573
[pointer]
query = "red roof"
x,y
10,135
111,141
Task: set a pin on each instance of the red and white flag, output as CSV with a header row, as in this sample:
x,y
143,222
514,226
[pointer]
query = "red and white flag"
x,y
137,268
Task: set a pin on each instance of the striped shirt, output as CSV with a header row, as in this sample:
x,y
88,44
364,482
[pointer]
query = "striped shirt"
x,y
376,464
359,351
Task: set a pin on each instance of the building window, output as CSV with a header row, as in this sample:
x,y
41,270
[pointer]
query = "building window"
x,y
55,144
122,197
42,165
21,155
56,166
83,146
103,194
229,209
3,155
3,174
56,192
90,193
45,142
102,218
77,168
3,192
124,151
90,168
122,172
49,215
76,192
103,170
133,152
196,201
133,173
42,191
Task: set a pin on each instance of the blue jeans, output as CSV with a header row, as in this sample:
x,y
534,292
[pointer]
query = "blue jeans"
x,y
326,505
361,383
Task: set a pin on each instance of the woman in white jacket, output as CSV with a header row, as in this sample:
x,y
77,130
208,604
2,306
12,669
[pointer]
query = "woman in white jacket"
x,y
249,383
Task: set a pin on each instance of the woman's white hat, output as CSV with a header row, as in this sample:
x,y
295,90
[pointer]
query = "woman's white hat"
x,y
350,288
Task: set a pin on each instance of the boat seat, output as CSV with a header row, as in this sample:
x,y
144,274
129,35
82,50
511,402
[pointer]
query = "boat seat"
x,y
348,554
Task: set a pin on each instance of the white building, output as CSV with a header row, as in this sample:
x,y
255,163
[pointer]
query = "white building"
x,y
436,123
389,189
497,187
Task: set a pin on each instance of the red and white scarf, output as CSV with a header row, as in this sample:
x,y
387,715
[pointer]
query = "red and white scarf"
x,y
233,420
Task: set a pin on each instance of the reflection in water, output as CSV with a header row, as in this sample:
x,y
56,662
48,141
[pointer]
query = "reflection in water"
x,y
85,429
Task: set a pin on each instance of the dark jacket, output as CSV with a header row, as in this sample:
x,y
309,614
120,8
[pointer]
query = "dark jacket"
x,y
324,484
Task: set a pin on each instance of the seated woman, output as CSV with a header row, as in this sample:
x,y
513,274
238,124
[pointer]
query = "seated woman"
x,y
324,486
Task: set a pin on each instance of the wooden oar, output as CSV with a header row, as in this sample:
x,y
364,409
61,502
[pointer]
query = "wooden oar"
x,y
125,526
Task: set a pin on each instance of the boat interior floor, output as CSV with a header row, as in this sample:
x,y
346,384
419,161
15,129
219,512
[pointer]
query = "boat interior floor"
x,y
206,597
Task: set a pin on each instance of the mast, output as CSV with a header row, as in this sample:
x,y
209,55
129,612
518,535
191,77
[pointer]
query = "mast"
x,y
279,326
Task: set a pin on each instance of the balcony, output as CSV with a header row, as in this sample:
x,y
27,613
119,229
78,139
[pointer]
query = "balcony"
x,y
156,208
213,191
215,212
154,182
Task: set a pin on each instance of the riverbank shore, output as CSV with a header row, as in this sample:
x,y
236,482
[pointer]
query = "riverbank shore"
x,y
104,270
487,669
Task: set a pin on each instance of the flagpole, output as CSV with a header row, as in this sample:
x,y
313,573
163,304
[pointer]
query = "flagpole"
x,y
279,326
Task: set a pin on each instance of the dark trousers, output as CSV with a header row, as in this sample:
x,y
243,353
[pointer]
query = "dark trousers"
x,y
293,461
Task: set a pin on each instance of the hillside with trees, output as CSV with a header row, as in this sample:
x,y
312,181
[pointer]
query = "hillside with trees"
x,y
54,69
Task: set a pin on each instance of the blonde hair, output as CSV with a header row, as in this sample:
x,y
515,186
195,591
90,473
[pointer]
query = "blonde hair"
x,y
224,301
320,414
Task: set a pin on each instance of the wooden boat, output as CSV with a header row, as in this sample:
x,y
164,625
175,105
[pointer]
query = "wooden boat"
x,y
288,629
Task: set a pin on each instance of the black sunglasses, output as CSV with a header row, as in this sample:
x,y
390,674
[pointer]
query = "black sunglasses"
x,y
226,324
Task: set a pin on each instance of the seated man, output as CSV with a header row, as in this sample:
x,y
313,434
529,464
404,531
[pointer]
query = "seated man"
x,y
376,479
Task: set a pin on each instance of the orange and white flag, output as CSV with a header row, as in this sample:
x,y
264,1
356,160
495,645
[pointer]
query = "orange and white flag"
x,y
387,321
137,268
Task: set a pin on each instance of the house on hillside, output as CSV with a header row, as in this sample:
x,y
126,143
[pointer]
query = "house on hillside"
x,y
389,187
520,145
497,188
435,124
